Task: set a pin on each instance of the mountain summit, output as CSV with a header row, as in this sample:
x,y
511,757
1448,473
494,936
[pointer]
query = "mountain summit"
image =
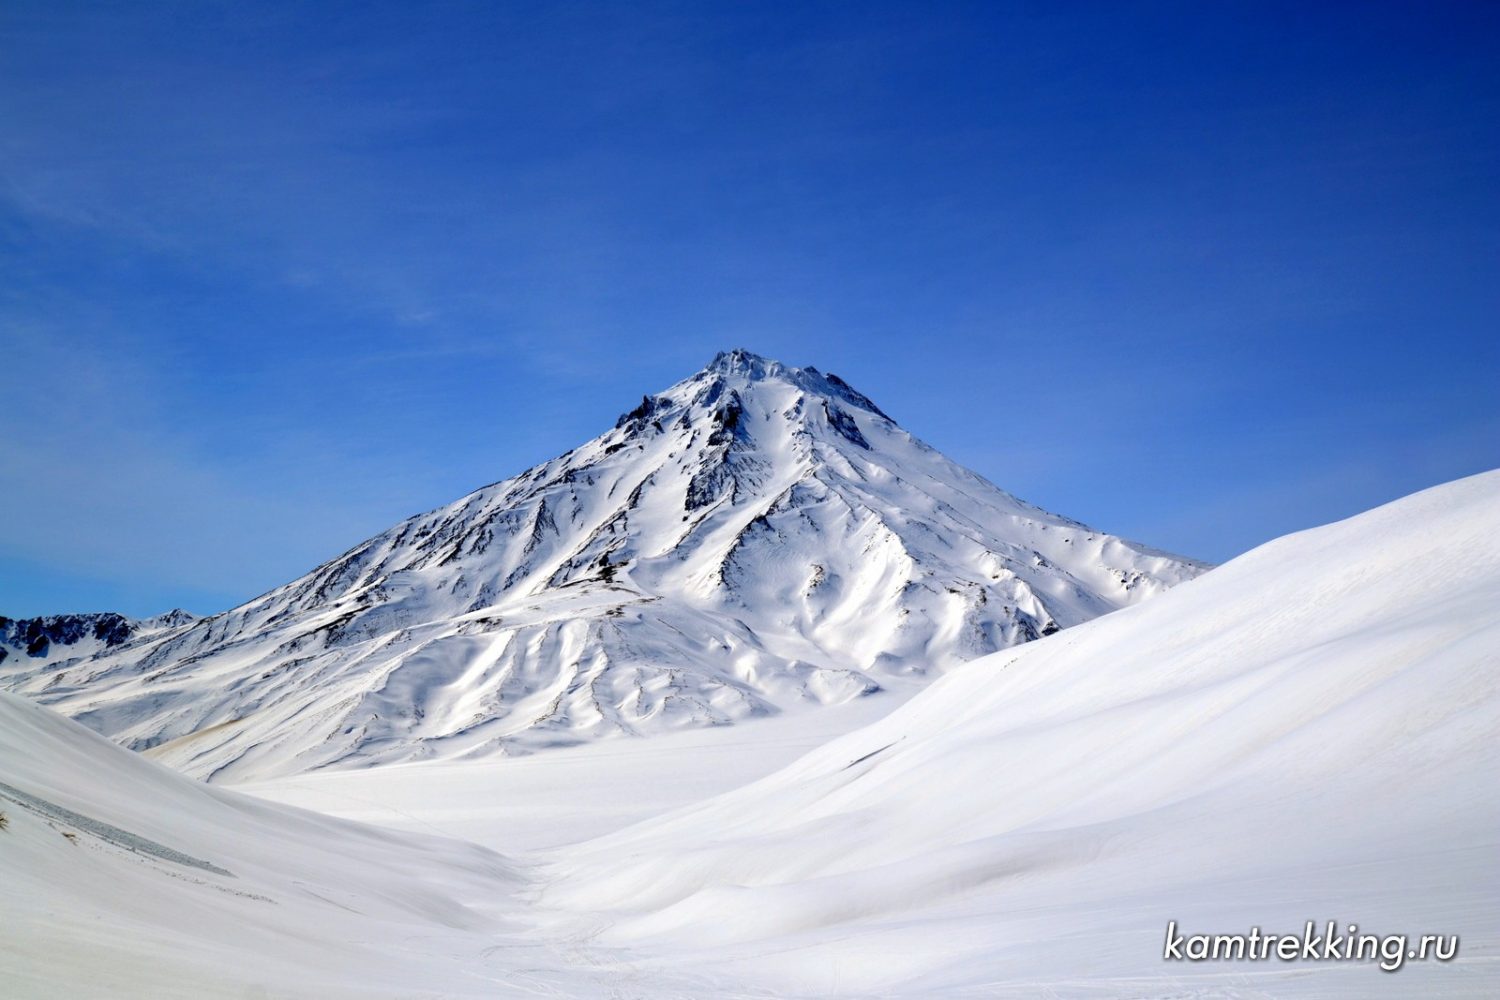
x,y
755,537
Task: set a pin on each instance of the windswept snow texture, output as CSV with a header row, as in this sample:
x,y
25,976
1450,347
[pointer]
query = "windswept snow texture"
x,y
757,537
1307,733
120,878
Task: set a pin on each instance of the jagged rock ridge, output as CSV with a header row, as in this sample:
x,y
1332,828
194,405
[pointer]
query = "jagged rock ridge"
x,y
756,537
58,639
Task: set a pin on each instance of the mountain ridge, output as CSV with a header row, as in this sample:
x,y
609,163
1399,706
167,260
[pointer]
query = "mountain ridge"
x,y
52,638
755,537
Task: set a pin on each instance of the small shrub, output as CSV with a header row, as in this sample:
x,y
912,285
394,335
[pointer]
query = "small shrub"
x,y
4,821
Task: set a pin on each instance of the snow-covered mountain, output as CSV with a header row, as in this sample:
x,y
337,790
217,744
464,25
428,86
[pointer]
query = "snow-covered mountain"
x,y
51,641
756,537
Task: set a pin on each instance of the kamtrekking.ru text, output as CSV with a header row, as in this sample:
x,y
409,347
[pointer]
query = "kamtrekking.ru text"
x,y
1391,951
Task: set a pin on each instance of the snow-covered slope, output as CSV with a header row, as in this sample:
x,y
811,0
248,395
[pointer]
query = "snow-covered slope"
x,y
120,878
1307,733
757,537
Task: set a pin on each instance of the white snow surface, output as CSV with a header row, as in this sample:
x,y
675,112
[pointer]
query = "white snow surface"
x,y
1306,733
756,538
121,878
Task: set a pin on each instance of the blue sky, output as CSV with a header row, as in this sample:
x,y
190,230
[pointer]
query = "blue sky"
x,y
275,276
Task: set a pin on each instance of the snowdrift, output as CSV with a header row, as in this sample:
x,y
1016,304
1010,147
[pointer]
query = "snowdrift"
x,y
120,878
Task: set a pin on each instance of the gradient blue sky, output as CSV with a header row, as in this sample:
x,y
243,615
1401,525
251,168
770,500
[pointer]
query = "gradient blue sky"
x,y
275,276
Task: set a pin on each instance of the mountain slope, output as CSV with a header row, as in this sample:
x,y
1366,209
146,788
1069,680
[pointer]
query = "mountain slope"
x,y
1307,733
37,645
757,537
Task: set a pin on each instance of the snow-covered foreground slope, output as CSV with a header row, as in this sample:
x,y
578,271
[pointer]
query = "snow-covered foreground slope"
x,y
120,878
1307,733
754,538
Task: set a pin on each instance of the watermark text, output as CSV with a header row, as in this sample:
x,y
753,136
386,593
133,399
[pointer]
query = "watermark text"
x,y
1330,944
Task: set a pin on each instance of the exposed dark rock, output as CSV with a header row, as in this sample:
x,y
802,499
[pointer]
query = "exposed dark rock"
x,y
846,425
38,635
853,395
